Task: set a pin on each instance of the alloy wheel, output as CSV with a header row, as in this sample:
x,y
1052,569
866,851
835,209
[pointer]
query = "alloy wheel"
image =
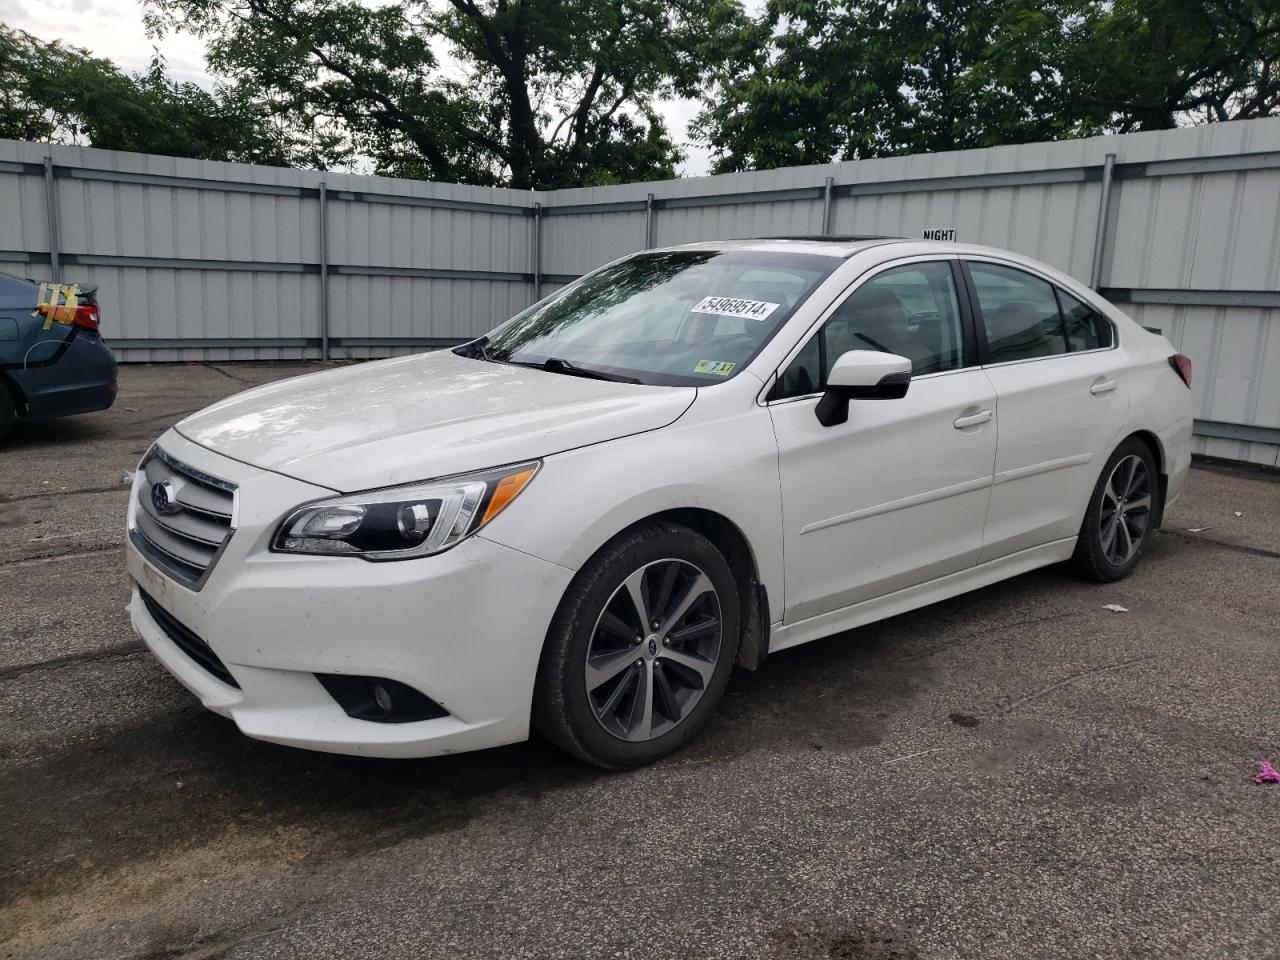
x,y
654,650
1126,509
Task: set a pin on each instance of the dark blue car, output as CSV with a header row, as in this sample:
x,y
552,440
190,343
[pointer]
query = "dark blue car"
x,y
53,360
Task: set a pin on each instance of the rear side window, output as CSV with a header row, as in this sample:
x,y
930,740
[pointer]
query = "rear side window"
x,y
1086,329
1019,313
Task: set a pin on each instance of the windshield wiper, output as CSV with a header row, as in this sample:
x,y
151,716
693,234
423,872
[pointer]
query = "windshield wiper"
x,y
557,365
476,348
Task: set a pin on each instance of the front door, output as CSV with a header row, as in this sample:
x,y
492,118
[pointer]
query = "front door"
x,y
897,495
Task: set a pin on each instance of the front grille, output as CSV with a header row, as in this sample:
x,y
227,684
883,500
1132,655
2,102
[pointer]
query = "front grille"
x,y
188,642
186,538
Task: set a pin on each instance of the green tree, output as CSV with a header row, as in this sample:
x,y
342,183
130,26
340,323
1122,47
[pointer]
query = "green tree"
x,y
811,81
1155,64
530,93
56,93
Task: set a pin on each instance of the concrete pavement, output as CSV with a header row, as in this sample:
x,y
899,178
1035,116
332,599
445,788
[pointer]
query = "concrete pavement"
x,y
1015,773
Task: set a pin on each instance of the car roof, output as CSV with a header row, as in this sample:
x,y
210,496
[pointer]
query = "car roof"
x,y
882,249
838,246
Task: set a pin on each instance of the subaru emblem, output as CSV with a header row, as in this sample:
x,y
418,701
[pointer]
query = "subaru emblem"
x,y
164,498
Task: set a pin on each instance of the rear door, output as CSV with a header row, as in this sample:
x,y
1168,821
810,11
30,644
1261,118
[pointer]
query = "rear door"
x,y
896,495
1061,401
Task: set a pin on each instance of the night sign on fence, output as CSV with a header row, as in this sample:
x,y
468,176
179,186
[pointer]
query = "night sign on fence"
x,y
940,233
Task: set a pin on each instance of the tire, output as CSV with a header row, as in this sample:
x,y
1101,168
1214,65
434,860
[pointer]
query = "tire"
x,y
680,668
8,412
1109,548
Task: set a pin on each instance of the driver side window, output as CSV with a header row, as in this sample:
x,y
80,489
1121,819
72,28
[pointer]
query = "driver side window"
x,y
912,311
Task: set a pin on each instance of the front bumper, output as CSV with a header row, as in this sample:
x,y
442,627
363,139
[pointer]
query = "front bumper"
x,y
464,627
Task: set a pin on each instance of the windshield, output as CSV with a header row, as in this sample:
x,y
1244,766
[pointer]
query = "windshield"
x,y
683,317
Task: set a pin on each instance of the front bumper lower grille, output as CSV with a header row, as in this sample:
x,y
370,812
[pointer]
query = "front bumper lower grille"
x,y
188,642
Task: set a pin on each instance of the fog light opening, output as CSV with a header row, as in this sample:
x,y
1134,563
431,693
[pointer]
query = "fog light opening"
x,y
379,699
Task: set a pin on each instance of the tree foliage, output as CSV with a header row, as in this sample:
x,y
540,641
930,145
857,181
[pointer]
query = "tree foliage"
x,y
56,93
531,93
1156,64
810,81
548,93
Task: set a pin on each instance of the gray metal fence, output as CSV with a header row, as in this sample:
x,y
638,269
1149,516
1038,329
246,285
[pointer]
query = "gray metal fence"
x,y
204,260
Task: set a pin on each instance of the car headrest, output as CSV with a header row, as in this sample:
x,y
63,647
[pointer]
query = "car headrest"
x,y
875,308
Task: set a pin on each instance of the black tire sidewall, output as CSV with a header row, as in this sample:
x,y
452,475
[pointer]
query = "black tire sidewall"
x,y
575,623
8,409
1091,535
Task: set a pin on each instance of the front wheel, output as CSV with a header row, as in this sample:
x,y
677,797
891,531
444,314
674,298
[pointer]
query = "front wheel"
x,y
641,648
1121,515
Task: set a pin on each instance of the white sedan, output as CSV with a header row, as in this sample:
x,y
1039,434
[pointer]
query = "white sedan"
x,y
686,460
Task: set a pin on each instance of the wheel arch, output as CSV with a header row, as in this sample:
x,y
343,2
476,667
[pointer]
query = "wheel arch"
x,y
1153,443
737,550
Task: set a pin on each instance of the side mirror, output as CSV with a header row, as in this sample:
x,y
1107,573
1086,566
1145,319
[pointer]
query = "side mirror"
x,y
862,375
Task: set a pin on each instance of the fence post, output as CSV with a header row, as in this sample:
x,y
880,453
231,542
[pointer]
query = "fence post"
x,y
51,210
1100,237
648,222
537,252
324,271
826,206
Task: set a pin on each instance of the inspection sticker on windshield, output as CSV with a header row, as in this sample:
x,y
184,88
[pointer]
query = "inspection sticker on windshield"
x,y
717,368
733,307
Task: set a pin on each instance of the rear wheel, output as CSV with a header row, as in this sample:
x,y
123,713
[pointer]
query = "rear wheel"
x,y
641,648
1120,516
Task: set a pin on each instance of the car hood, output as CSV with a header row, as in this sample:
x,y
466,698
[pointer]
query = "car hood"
x,y
429,415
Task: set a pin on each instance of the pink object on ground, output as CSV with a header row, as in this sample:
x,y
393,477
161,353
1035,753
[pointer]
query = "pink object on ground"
x,y
1268,774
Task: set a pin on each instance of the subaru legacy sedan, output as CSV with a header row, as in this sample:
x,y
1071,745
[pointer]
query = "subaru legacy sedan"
x,y
688,459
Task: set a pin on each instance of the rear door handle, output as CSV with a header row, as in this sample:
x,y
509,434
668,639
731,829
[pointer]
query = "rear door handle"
x,y
973,419
1102,386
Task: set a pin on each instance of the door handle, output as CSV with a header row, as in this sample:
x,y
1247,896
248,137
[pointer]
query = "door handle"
x,y
1102,386
973,419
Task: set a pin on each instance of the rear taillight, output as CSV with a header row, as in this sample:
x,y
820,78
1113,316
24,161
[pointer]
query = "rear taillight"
x,y
1182,365
86,316
82,315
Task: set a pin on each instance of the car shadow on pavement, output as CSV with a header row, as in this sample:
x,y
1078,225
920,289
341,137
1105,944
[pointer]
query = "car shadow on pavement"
x,y
187,778
34,434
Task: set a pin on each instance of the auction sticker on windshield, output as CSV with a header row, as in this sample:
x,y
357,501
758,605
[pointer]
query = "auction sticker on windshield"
x,y
733,307
717,368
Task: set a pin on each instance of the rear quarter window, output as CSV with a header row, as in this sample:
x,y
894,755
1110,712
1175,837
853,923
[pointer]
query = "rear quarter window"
x,y
1085,327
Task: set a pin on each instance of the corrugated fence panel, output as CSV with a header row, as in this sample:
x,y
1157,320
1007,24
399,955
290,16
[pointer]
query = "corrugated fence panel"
x,y
23,219
1235,353
738,220
204,260
578,242
385,235
423,309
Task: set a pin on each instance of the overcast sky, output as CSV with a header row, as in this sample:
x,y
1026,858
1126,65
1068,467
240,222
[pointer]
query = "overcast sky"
x,y
113,29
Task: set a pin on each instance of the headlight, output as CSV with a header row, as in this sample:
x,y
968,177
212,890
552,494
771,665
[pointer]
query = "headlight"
x,y
401,522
